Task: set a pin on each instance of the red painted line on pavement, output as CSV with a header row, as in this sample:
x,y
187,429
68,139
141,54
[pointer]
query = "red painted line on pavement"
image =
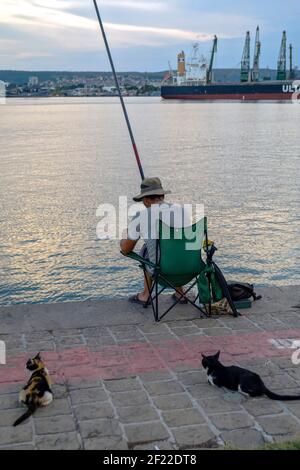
x,y
118,361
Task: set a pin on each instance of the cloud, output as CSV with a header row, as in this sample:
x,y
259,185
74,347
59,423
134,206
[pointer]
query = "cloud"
x,y
144,5
136,5
56,4
39,13
42,16
153,29
164,32
31,55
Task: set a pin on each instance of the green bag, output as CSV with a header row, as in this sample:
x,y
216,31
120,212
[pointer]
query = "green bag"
x,y
216,293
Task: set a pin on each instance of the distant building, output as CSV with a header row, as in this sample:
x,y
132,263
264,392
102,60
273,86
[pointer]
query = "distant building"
x,y
109,89
33,82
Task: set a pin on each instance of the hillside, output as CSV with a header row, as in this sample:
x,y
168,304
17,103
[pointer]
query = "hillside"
x,y
21,77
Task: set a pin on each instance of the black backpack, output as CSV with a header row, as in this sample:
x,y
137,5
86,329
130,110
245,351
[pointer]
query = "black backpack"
x,y
241,291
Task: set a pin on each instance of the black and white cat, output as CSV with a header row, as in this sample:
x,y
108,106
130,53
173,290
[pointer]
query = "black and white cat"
x,y
236,378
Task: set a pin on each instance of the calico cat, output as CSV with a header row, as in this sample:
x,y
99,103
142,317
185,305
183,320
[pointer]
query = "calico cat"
x,y
236,378
37,391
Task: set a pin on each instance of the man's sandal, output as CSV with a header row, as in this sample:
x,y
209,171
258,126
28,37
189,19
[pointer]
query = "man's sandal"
x,y
134,299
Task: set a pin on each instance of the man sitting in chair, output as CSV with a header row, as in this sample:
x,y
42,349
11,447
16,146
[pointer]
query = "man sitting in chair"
x,y
145,225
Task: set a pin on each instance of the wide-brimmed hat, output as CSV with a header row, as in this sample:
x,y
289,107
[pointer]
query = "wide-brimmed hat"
x,y
150,187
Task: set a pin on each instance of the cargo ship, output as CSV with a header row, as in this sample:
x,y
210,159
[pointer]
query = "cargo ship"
x,y
195,80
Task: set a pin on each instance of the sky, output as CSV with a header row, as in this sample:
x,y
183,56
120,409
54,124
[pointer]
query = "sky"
x,y
144,35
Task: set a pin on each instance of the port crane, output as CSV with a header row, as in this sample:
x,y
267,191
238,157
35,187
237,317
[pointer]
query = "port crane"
x,y
245,65
169,75
209,74
292,71
255,70
281,66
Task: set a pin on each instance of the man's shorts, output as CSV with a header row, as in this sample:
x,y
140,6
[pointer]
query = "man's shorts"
x,y
144,254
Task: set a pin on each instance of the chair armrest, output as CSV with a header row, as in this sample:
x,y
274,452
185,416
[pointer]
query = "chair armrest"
x,y
140,259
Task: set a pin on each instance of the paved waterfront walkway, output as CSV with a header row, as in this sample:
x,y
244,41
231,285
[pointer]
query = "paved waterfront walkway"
x,y
121,381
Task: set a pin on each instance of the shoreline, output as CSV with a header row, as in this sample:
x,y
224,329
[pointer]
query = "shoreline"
x,y
77,314
87,96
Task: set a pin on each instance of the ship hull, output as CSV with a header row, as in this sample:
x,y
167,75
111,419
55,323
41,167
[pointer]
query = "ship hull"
x,y
277,91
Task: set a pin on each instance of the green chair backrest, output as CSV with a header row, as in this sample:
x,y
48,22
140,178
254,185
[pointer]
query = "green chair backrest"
x,y
180,252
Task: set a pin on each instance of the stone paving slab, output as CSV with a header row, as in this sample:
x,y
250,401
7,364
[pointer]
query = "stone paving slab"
x,y
123,382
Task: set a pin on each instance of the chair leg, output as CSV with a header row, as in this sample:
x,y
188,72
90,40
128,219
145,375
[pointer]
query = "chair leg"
x,y
182,295
148,287
150,295
209,288
156,301
210,293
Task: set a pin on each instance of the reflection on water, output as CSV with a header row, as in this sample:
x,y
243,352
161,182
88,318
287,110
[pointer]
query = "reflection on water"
x,y
61,158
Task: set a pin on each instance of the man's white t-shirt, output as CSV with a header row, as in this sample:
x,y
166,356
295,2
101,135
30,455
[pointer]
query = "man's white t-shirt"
x,y
146,223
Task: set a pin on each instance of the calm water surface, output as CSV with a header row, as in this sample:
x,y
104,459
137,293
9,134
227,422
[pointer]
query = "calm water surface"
x,y
61,158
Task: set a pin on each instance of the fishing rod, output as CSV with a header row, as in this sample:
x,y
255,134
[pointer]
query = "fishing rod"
x,y
136,153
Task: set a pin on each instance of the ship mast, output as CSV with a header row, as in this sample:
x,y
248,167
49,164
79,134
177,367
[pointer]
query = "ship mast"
x,y
209,76
245,66
255,70
281,67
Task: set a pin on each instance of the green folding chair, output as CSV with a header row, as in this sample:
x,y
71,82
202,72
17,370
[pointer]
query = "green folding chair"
x,y
178,263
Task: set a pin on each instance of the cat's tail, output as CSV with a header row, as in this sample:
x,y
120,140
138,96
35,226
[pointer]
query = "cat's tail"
x,y
26,415
274,396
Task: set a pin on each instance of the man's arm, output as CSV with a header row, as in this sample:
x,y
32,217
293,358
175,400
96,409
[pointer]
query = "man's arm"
x,y
131,235
127,245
